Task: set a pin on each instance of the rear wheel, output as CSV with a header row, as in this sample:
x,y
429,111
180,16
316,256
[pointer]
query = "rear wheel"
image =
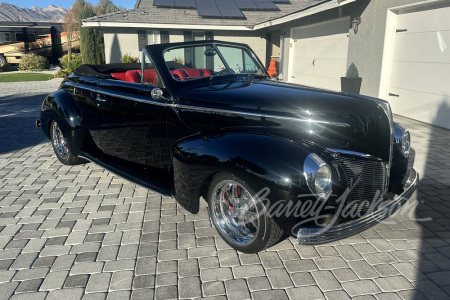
x,y
60,146
239,217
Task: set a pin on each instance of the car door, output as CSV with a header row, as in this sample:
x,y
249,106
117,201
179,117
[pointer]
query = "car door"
x,y
132,127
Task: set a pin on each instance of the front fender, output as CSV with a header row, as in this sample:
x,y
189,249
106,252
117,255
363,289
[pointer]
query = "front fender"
x,y
261,160
62,107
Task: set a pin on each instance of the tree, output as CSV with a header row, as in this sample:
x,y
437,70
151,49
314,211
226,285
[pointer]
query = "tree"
x,y
107,7
71,24
92,43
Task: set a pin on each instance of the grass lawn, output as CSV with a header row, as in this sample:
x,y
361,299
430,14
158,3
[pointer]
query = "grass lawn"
x,y
24,77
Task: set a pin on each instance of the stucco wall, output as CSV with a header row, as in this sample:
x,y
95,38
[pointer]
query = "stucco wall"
x,y
119,41
366,47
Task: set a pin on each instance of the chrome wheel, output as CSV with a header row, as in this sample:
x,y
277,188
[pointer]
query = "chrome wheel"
x,y
59,142
235,212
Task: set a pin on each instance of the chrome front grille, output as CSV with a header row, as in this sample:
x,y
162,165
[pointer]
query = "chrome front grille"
x,y
366,179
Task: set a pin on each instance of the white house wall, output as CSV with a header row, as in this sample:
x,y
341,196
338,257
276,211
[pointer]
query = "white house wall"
x,y
125,41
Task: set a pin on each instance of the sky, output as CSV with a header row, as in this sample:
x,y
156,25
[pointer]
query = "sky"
x,y
128,4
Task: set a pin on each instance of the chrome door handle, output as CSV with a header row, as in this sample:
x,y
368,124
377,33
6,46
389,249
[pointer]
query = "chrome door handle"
x,y
100,99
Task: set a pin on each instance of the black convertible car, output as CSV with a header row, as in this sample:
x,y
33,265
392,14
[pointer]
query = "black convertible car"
x,y
203,119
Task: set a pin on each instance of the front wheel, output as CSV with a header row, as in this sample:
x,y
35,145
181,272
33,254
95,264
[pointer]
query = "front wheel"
x,y
239,217
60,146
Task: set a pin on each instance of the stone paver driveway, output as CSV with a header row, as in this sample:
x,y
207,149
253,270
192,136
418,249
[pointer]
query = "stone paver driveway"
x,y
82,233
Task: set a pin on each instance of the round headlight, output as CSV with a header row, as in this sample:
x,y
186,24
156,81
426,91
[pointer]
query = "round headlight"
x,y
322,180
406,143
318,176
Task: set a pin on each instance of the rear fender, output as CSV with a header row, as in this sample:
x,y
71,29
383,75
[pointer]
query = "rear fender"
x,y
62,107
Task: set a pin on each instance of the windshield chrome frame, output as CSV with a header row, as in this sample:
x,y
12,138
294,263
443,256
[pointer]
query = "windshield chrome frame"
x,y
215,44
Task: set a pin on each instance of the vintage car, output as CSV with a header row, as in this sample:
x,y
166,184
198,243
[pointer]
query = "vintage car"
x,y
203,119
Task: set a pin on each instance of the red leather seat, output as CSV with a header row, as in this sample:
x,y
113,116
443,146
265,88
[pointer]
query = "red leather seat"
x,y
119,75
150,75
197,72
179,73
132,76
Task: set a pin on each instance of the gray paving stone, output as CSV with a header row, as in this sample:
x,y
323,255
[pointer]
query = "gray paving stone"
x,y
27,274
305,292
86,268
98,282
142,294
8,288
270,295
326,281
117,265
144,282
270,260
121,280
54,280
30,296
66,294
237,289
166,292
213,288
337,295
188,267
76,281
94,296
279,278
360,287
165,279
258,283
363,269
118,295
215,274
189,287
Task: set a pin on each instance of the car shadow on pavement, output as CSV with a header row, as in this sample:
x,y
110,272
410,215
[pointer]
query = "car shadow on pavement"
x,y
432,235
17,122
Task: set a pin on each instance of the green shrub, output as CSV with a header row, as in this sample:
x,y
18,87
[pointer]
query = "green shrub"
x,y
126,59
352,71
31,61
8,68
70,66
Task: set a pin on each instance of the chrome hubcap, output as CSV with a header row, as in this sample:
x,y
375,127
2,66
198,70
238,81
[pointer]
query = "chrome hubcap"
x,y
59,142
235,212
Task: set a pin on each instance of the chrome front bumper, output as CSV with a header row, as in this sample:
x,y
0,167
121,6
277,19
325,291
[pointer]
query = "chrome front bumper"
x,y
314,236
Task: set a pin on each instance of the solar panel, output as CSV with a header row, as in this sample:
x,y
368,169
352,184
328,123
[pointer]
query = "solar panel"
x,y
185,4
228,8
281,1
164,3
207,8
266,5
246,4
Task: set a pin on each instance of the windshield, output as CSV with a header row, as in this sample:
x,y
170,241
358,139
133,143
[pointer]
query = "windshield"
x,y
194,62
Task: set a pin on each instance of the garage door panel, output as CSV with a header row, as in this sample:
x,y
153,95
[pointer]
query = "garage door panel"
x,y
421,77
321,68
311,80
425,21
433,47
319,54
321,48
425,107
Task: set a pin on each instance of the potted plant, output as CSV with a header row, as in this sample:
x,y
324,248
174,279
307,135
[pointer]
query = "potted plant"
x,y
351,83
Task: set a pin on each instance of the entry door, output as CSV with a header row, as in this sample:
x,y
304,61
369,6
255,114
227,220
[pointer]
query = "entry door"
x,y
420,78
318,54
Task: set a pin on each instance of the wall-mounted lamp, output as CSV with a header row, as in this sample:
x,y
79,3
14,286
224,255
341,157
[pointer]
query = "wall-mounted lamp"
x,y
355,24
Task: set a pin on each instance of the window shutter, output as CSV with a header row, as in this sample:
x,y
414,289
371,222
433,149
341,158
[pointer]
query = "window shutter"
x,y
209,35
165,38
142,39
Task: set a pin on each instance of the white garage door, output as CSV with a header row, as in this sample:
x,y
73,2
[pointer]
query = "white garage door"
x,y
420,78
318,55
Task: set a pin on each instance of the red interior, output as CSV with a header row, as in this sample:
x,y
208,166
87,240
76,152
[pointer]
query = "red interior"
x,y
150,75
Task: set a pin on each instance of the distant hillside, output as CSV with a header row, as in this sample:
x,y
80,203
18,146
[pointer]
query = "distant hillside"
x,y
12,13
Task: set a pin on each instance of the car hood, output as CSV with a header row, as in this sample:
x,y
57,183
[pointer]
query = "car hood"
x,y
329,119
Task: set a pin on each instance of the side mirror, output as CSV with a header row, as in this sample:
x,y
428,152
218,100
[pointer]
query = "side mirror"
x,y
157,94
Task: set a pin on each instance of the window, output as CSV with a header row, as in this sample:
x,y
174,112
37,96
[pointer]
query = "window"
x,y
31,37
5,37
152,37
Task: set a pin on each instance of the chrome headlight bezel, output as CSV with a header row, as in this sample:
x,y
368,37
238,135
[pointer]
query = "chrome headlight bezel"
x,y
320,185
402,139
